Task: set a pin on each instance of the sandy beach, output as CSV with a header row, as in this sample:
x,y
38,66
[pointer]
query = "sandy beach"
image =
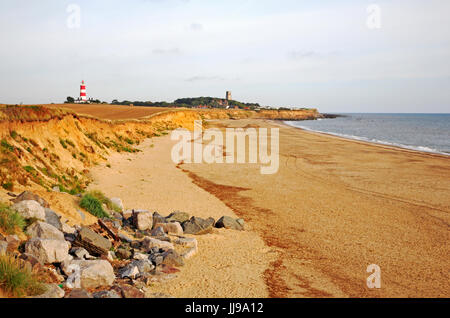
x,y
334,207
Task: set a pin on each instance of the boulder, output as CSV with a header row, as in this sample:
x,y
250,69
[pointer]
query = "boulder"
x,y
31,259
30,209
129,271
79,293
93,274
173,228
66,228
140,256
186,241
94,243
48,251
178,216
157,219
127,214
148,243
172,258
229,223
52,291
128,291
142,220
81,253
45,231
29,196
125,238
158,232
106,294
118,202
198,226
124,253
52,218
13,243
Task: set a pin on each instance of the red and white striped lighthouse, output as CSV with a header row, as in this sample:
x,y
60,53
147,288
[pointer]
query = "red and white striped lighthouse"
x,y
83,97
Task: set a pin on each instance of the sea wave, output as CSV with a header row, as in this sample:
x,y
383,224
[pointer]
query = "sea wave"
x,y
375,141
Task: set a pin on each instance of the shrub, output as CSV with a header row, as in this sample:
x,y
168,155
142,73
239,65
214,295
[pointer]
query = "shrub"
x,y
93,206
105,200
10,220
13,134
5,145
8,186
17,279
63,143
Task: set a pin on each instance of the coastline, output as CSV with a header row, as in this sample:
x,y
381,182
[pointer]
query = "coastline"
x,y
371,142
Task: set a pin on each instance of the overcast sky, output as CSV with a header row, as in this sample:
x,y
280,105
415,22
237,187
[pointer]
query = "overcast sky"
x,y
280,53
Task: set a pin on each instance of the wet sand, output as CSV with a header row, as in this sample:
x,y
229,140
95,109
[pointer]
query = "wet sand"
x,y
334,207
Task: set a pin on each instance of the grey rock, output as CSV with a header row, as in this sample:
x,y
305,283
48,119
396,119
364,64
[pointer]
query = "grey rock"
x,y
125,238
81,253
144,266
198,226
173,228
118,202
30,209
158,218
172,258
93,273
52,218
66,228
106,294
52,291
178,216
48,251
27,195
229,223
142,220
148,243
129,271
79,293
124,253
45,231
156,259
94,243
158,231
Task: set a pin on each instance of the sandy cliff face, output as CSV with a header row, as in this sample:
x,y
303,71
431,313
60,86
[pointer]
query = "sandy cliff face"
x,y
51,147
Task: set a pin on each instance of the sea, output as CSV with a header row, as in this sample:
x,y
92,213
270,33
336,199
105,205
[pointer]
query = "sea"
x,y
421,132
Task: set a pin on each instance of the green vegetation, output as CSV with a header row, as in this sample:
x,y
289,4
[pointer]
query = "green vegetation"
x,y
93,206
6,146
8,186
17,279
104,200
70,142
30,169
10,220
13,134
63,143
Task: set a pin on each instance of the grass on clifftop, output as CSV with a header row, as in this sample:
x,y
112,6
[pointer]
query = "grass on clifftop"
x,y
18,280
10,220
93,203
